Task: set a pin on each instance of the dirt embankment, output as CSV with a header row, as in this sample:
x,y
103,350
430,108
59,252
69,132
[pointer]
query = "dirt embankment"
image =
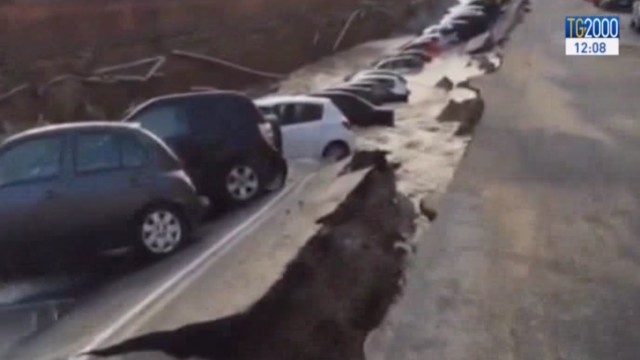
x,y
331,295
43,40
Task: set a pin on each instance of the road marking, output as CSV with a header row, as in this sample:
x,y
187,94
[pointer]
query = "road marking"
x,y
188,270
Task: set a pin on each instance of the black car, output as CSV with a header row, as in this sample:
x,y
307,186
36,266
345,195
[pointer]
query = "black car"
x,y
363,91
359,111
218,137
368,89
615,5
492,9
91,187
423,55
470,26
376,72
400,64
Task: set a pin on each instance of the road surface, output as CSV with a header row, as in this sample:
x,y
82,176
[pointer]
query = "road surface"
x,y
241,243
536,253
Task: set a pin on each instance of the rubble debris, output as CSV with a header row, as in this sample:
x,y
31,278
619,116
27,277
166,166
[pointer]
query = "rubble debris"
x,y
14,91
467,112
485,64
156,61
226,63
363,159
349,273
467,85
445,83
346,27
428,205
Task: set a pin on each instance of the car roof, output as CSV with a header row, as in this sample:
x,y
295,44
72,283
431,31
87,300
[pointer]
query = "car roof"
x,y
377,72
371,77
342,93
334,92
71,127
357,82
186,95
278,99
396,58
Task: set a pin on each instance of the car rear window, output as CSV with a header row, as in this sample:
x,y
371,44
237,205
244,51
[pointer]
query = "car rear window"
x,y
230,119
165,121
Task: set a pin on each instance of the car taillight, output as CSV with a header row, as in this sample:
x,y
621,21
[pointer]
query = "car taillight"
x,y
266,129
434,48
346,124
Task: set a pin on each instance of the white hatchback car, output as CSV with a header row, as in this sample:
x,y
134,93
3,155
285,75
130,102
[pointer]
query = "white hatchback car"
x,y
312,127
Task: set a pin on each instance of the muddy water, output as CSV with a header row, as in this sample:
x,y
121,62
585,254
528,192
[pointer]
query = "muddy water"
x,y
427,149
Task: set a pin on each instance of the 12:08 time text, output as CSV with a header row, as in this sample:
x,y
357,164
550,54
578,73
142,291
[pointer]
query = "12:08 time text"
x,y
597,47
591,48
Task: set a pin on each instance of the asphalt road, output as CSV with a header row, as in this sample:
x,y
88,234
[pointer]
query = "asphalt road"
x,y
536,253
243,250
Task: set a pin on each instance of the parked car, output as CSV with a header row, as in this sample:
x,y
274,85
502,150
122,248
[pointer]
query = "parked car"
x,y
491,8
424,55
357,110
312,127
400,64
94,187
635,16
431,30
461,29
434,43
218,137
420,55
373,93
376,72
396,90
618,5
464,9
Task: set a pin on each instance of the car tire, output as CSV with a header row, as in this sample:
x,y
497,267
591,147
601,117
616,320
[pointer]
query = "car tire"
x,y
279,179
336,151
160,231
242,183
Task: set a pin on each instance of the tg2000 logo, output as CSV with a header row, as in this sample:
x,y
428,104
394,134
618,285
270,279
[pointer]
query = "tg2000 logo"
x,y
592,35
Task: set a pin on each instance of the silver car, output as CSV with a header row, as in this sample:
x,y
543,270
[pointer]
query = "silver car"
x,y
635,16
93,187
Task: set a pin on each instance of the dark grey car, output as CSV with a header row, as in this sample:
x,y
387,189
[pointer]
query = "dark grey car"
x,y
93,186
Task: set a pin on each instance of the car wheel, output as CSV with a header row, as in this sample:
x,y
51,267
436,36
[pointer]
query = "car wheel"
x,y
160,231
336,151
242,183
279,178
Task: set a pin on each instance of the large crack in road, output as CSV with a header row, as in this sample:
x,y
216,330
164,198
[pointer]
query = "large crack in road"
x,y
330,297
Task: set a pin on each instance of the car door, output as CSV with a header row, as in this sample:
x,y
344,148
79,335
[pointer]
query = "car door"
x,y
301,129
31,178
111,182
